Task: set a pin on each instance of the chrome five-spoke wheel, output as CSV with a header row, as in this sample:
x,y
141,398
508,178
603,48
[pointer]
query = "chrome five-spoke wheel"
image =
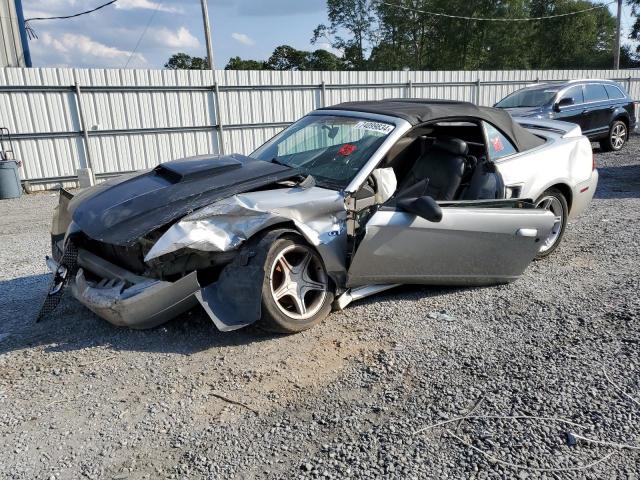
x,y
297,293
553,201
298,282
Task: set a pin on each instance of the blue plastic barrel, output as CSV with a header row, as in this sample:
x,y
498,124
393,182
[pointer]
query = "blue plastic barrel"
x,y
9,179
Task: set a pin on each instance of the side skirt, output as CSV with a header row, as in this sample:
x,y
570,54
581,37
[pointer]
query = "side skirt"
x,y
360,292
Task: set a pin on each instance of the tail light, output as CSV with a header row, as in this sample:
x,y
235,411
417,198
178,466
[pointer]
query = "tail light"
x,y
593,161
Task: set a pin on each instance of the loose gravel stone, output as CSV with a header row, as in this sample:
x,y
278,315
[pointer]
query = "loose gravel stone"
x,y
81,398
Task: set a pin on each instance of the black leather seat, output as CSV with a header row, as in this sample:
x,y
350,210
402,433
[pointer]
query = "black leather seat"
x,y
485,183
442,166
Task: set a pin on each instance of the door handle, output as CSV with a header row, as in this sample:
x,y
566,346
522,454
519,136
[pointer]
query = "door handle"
x,y
527,232
584,112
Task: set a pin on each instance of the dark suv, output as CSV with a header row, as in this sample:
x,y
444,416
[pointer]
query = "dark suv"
x,y
602,108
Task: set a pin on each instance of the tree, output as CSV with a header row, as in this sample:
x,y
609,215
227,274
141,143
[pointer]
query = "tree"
x,y
634,35
323,60
236,63
355,17
412,37
183,61
579,41
629,58
286,57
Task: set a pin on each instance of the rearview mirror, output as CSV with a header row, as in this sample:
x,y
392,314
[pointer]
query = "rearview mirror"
x,y
563,102
424,207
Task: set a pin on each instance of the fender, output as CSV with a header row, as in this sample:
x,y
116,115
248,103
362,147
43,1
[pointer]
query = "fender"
x,y
235,299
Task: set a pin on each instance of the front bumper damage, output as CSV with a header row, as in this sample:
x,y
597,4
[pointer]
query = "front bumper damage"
x,y
246,224
125,299
129,300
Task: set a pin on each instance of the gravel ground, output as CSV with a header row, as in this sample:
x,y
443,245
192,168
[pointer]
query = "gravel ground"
x,y
81,398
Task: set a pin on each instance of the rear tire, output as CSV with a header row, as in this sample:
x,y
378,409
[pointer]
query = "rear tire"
x,y
616,138
296,293
554,201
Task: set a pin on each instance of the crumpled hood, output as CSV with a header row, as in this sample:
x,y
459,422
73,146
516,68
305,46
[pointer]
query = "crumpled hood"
x,y
123,209
318,213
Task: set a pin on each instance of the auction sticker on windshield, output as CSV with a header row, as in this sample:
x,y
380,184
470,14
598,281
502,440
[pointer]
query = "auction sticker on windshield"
x,y
374,126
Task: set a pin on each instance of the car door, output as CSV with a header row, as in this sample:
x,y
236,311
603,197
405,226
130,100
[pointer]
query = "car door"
x,y
476,242
576,112
596,109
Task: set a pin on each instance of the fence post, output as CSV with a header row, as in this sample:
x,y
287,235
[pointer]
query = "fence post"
x,y
323,93
216,94
85,174
629,84
410,88
478,92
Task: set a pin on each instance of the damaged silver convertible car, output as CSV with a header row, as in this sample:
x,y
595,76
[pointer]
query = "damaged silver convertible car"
x,y
346,202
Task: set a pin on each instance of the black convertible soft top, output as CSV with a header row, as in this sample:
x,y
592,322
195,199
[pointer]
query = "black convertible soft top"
x,y
418,111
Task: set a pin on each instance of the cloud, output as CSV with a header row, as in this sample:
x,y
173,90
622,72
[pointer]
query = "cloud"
x,y
45,8
279,7
243,38
74,49
182,38
146,5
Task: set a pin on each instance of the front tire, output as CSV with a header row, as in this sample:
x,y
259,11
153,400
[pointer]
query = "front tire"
x,y
617,137
554,201
296,293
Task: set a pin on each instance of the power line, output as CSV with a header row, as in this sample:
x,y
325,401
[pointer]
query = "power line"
x,y
485,19
71,16
153,14
32,33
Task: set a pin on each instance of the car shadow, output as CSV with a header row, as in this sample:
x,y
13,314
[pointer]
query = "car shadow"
x,y
73,327
414,292
621,181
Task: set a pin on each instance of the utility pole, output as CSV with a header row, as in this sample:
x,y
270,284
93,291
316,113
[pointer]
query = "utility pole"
x,y
616,53
207,34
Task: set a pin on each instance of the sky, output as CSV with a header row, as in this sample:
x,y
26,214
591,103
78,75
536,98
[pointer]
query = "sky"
x,y
145,33
107,38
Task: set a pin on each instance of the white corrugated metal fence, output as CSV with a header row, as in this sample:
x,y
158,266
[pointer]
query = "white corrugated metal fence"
x,y
121,120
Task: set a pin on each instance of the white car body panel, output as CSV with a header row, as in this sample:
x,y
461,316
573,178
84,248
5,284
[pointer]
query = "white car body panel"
x,y
565,159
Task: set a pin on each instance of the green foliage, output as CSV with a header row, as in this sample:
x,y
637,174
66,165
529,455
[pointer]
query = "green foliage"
x,y
236,63
398,38
182,61
323,60
371,35
357,19
628,57
286,57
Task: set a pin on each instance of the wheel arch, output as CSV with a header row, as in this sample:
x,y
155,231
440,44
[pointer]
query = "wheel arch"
x,y
566,191
281,229
331,258
623,116
564,188
234,300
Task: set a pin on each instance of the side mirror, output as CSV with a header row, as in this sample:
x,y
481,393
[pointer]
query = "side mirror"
x,y
563,102
424,207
